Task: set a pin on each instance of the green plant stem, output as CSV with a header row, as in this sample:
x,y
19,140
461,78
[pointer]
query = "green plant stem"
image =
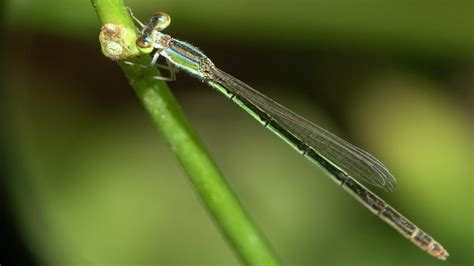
x,y
202,171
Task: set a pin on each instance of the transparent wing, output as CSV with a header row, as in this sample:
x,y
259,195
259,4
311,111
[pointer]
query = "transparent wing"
x,y
351,159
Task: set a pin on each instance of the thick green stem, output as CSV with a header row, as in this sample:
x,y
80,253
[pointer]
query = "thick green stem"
x,y
168,117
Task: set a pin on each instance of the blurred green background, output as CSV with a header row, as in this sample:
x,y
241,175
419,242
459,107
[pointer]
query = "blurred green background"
x,y
86,179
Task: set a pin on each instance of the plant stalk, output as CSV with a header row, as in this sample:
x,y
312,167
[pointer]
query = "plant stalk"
x,y
217,197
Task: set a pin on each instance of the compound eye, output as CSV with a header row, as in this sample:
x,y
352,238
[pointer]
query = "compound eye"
x,y
144,45
163,20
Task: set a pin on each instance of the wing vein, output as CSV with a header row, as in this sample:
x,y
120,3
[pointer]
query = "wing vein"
x,y
351,159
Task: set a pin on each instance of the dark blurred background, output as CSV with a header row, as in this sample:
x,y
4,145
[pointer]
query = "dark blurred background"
x,y
87,180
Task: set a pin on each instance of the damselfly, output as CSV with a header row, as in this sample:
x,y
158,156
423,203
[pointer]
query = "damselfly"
x,y
342,161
